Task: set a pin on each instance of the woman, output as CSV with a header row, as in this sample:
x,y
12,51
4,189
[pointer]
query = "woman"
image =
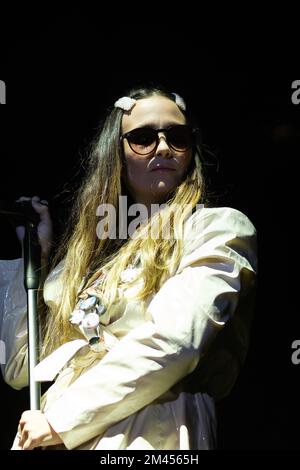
x,y
143,331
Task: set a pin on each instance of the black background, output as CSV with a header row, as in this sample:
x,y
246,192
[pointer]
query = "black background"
x,y
64,67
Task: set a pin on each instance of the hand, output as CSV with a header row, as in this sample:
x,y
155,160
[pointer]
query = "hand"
x,y
45,227
34,431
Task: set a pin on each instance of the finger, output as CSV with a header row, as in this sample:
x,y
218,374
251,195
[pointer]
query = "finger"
x,y
28,444
24,418
23,198
22,439
34,199
39,207
27,198
24,433
20,231
21,424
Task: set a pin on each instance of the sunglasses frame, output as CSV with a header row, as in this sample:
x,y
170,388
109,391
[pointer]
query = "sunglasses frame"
x,y
165,131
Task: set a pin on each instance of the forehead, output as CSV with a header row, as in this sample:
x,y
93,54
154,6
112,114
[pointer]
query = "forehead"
x,y
155,110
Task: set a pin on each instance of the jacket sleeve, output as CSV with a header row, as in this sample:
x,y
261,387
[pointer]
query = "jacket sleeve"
x,y
13,326
184,317
13,317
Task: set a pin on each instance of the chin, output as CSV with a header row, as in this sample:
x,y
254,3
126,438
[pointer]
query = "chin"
x,y
163,194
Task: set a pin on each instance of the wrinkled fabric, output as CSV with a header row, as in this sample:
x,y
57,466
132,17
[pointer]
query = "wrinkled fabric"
x,y
13,318
154,388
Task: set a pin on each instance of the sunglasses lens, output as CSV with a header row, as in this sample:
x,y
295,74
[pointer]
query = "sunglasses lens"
x,y
180,137
142,140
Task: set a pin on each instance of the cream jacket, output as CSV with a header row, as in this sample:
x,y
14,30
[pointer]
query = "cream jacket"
x,y
155,386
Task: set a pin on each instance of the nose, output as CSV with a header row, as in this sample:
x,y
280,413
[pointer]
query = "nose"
x,y
163,148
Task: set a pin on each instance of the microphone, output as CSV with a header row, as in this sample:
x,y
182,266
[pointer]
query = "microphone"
x,y
19,212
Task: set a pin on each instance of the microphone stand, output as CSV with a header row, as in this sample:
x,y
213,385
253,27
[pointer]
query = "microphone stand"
x,y
22,213
32,274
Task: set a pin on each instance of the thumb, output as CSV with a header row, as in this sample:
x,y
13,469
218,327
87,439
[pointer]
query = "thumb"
x,y
41,207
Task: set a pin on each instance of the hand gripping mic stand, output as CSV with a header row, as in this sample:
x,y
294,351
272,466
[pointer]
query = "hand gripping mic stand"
x,y
22,213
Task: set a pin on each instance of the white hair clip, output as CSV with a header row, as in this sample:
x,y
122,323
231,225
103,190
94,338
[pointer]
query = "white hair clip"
x,y
125,103
179,101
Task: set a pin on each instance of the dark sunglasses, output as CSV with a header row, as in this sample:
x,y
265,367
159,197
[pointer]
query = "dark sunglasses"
x,y
144,140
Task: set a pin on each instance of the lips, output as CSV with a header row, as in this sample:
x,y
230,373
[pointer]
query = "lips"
x,y
164,168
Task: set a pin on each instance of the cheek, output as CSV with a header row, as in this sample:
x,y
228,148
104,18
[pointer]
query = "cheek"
x,y
135,170
184,163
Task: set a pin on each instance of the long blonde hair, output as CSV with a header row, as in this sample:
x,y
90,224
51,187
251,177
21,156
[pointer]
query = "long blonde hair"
x,y
84,252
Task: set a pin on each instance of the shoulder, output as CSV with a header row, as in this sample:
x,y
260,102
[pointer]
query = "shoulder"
x,y
220,232
216,219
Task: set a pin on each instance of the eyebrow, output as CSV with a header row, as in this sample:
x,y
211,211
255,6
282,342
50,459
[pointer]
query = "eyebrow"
x,y
154,126
171,123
